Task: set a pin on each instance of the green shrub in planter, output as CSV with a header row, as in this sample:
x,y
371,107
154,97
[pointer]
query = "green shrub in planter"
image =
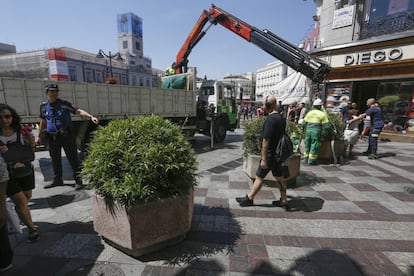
x,y
138,160
336,123
252,142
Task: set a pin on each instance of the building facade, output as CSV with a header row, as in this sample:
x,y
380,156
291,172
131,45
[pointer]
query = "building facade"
x,y
370,46
7,49
245,86
268,76
70,64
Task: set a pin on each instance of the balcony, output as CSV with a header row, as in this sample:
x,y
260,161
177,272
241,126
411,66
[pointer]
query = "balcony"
x,y
396,23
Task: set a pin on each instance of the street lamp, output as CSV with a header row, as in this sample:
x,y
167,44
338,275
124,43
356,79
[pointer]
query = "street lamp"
x,y
117,57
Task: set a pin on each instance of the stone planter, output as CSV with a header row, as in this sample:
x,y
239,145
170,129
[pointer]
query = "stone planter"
x,y
251,163
325,151
143,228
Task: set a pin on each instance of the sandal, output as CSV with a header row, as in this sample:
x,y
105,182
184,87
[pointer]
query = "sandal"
x,y
33,235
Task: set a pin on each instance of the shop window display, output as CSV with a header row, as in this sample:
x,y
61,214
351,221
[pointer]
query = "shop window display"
x,y
396,101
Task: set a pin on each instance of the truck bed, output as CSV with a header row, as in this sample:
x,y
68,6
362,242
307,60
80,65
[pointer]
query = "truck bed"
x,y
106,101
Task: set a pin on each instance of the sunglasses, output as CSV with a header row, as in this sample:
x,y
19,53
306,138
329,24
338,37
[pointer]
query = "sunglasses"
x,y
5,117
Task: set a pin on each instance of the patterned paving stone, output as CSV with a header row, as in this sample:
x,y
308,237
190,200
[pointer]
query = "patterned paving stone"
x,y
354,219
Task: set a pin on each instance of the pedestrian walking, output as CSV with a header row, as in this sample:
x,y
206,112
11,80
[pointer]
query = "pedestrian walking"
x,y
6,253
16,142
273,129
56,124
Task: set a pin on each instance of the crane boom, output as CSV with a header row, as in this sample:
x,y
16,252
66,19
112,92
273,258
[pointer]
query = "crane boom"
x,y
312,67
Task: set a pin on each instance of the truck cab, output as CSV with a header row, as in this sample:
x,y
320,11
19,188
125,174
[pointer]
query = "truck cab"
x,y
216,102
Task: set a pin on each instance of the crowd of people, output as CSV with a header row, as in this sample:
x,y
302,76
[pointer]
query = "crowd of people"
x,y
313,122
17,146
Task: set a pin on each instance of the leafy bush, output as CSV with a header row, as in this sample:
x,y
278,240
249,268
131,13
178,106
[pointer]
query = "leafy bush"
x,y
337,128
138,160
252,142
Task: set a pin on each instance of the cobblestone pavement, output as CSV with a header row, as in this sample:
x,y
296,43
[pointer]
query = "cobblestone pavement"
x,y
354,219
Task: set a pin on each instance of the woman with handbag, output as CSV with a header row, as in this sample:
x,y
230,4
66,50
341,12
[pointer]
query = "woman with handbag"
x,y
17,145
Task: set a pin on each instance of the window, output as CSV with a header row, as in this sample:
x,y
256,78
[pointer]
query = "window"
x,y
72,74
381,8
99,77
89,75
394,99
137,46
125,44
387,17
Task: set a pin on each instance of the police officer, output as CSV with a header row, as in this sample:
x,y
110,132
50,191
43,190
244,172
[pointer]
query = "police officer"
x,y
315,120
373,115
56,122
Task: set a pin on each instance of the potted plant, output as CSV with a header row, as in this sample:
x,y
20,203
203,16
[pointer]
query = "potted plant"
x,y
332,141
142,171
252,148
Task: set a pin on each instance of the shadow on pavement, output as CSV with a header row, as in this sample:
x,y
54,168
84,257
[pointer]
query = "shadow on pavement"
x,y
305,204
58,200
59,251
305,179
46,169
202,144
208,236
318,262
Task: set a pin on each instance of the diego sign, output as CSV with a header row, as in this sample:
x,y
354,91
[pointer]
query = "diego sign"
x,y
373,56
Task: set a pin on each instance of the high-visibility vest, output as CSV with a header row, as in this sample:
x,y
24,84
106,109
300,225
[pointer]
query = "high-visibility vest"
x,y
170,71
316,119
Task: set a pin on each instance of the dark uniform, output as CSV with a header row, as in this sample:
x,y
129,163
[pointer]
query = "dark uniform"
x,y
377,124
59,134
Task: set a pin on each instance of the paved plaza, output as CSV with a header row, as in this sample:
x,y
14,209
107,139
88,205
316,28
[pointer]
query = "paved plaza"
x,y
354,219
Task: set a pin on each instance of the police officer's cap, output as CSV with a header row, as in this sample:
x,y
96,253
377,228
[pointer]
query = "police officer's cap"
x,y
51,86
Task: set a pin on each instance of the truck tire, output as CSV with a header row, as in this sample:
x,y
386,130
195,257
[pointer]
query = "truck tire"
x,y
220,130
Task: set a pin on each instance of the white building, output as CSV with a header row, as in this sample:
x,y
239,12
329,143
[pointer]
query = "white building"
x,y
268,76
70,64
245,86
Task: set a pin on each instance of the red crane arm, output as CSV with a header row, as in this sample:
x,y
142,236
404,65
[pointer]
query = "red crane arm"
x,y
292,56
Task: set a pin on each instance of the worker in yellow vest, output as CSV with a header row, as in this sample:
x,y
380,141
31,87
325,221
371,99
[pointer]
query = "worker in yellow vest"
x,y
314,121
170,70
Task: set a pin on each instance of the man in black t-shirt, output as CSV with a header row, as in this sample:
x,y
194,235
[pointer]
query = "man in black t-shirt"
x,y
273,128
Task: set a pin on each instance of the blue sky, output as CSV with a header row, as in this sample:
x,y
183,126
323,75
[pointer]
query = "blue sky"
x,y
90,25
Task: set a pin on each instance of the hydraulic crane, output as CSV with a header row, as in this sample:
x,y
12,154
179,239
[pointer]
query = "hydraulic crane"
x,y
297,59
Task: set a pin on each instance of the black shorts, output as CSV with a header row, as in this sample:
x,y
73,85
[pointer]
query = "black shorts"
x,y
276,168
20,184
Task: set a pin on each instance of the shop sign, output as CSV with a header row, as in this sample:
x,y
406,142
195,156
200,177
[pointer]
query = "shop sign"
x,y
343,17
373,56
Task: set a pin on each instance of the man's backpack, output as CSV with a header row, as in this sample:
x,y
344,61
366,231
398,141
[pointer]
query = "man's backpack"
x,y
284,148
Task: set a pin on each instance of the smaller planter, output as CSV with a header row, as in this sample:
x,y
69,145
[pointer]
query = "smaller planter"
x,y
325,153
143,228
251,163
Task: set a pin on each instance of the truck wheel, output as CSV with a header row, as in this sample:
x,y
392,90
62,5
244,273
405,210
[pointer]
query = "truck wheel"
x,y
220,130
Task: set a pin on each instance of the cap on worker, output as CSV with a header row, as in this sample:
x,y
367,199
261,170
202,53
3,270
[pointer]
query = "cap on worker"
x,y
317,102
51,86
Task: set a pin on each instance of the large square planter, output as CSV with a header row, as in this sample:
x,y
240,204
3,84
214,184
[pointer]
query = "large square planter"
x,y
251,163
143,228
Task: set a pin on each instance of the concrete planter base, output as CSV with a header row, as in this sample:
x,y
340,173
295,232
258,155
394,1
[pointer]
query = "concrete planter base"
x,y
325,154
251,163
143,228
